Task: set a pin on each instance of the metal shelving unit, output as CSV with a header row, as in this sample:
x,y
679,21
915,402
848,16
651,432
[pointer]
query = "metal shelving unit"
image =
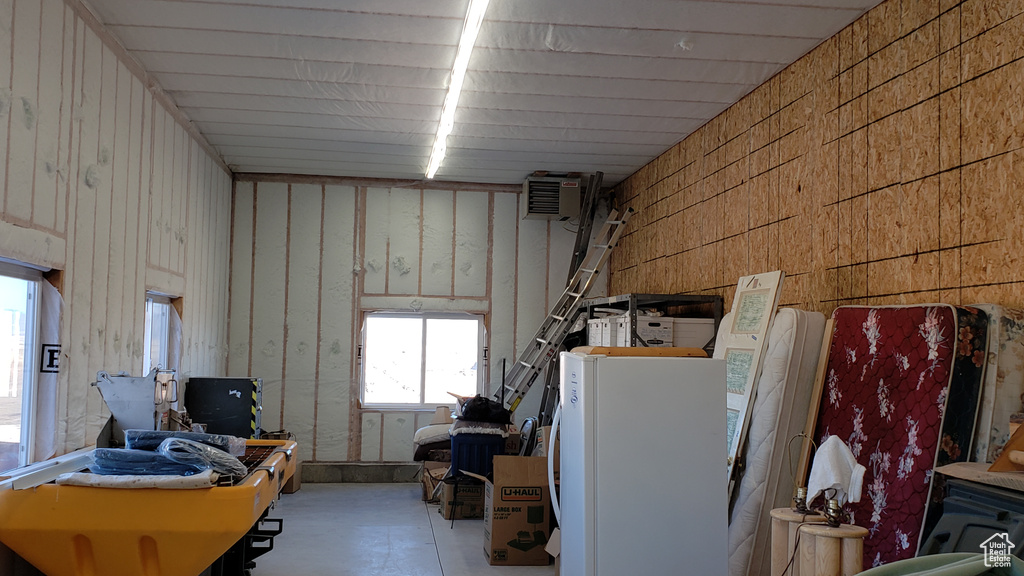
x,y
712,306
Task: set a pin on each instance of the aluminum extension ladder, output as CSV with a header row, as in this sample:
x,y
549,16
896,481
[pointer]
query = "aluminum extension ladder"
x,y
563,314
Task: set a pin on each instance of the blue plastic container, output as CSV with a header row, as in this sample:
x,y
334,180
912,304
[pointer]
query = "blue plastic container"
x,y
475,452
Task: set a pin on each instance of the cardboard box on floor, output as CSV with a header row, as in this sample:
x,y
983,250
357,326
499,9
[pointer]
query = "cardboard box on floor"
x,y
295,482
542,446
468,502
517,507
430,477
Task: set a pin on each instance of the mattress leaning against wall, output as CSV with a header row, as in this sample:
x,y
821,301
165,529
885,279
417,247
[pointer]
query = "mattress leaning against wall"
x,y
960,413
892,371
779,413
1002,394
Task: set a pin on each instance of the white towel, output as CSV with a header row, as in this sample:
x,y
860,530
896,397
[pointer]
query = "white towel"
x,y
835,467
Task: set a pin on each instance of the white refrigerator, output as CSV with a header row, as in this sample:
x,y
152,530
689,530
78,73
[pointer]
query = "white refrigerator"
x,y
643,466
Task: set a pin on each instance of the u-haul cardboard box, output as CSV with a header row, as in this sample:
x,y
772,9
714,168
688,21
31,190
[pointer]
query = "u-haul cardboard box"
x,y
516,512
468,502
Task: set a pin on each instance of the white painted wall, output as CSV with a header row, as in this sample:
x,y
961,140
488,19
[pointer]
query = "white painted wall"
x,y
295,321
100,180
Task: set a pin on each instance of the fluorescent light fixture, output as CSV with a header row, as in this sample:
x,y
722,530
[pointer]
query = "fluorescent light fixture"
x,y
474,17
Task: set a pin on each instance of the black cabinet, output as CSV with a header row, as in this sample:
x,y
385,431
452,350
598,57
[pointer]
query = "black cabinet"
x,y
226,405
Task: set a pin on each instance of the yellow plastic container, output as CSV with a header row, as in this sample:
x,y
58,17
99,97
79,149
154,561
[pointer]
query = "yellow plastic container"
x,y
86,531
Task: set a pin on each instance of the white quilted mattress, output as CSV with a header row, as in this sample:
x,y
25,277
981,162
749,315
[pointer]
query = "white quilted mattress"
x,y
779,413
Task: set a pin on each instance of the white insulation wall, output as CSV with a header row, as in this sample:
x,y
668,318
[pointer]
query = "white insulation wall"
x,y
101,181
307,259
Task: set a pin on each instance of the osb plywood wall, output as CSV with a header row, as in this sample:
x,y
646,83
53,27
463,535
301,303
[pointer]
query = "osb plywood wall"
x,y
100,181
309,256
884,167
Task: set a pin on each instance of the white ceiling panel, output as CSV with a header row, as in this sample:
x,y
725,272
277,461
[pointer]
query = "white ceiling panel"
x,y
536,133
469,144
539,106
235,145
368,108
554,85
677,107
243,155
604,65
258,131
357,115
402,7
299,48
355,87
572,120
643,43
854,5
275,21
284,144
623,161
794,19
303,70
246,154
312,120
298,89
340,168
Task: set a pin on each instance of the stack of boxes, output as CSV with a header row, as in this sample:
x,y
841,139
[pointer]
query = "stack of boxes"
x,y
655,330
514,502
602,331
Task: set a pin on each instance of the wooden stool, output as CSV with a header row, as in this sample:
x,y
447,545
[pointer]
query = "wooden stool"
x,y
828,551
785,522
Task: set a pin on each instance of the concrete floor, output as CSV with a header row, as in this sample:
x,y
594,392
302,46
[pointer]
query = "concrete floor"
x,y
375,530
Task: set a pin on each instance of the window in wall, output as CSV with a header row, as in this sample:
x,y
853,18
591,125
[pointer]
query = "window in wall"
x,y
19,328
157,338
415,359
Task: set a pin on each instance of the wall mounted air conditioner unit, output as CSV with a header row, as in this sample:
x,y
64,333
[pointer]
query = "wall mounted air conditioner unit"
x,y
551,198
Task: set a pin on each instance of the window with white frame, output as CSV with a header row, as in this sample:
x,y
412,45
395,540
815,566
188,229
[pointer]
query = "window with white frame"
x,y
417,359
157,339
19,329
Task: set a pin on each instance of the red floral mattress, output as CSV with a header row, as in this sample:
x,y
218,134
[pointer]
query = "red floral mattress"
x,y
885,395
